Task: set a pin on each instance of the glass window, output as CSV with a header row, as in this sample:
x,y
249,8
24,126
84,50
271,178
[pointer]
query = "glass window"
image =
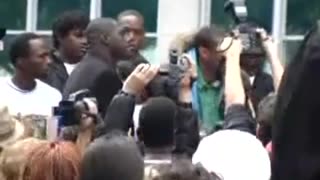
x,y
5,63
259,11
301,15
13,14
291,49
149,51
48,10
148,8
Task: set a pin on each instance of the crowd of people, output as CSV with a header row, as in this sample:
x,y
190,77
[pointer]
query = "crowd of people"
x,y
222,117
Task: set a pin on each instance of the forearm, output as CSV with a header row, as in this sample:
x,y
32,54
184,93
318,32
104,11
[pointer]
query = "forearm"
x,y
234,91
277,69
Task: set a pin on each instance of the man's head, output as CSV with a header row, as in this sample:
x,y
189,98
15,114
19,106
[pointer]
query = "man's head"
x,y
265,117
68,35
113,156
207,40
134,21
156,122
29,53
107,34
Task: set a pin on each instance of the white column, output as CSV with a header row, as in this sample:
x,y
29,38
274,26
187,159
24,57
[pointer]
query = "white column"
x,y
32,15
175,16
95,9
279,24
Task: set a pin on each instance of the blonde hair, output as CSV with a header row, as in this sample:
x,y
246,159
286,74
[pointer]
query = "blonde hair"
x,y
182,41
53,161
13,158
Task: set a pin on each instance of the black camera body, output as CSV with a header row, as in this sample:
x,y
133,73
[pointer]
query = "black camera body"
x,y
71,110
251,41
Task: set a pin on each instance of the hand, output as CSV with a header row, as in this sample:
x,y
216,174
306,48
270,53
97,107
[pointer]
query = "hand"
x,y
139,78
268,43
233,53
190,73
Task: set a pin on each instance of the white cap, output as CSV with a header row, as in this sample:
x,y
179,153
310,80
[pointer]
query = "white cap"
x,y
234,155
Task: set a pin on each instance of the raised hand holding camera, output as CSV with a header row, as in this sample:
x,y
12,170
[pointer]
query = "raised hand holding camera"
x,y
139,78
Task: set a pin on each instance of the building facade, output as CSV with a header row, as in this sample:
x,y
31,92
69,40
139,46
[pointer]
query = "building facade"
x,y
286,20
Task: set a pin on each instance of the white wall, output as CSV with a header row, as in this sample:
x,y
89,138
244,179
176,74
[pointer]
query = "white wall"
x,y
175,16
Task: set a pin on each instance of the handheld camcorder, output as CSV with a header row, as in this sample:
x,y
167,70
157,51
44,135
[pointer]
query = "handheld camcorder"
x,y
166,83
70,111
251,40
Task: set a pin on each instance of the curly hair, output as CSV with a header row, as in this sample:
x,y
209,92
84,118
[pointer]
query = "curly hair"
x,y
14,157
53,161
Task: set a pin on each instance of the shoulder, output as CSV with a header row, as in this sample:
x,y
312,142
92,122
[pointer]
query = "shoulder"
x,y
48,89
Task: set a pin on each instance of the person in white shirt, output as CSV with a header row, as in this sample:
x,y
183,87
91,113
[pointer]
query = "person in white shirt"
x,y
23,93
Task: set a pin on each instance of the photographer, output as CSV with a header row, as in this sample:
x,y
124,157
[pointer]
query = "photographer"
x,y
253,61
207,90
184,119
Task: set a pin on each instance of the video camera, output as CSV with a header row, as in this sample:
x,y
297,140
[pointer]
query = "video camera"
x,y
166,83
250,38
70,111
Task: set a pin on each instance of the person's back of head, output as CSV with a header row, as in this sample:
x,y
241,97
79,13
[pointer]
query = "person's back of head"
x,y
181,169
14,157
98,29
113,156
296,124
265,117
53,160
156,122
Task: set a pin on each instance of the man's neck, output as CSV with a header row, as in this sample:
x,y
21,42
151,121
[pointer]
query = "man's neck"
x,y
64,58
23,81
102,53
209,75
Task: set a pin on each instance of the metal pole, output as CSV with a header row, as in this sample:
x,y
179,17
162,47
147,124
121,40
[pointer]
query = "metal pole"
x,y
32,15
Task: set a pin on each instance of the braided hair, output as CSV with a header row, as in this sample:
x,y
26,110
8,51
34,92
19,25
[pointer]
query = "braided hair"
x,y
53,161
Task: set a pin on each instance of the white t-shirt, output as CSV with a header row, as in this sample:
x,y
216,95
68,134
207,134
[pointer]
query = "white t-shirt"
x,y
38,101
69,67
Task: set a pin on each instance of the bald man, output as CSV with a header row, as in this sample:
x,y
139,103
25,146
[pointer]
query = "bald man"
x,y
96,71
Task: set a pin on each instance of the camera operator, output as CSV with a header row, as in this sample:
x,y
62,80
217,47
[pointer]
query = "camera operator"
x,y
185,120
207,91
253,63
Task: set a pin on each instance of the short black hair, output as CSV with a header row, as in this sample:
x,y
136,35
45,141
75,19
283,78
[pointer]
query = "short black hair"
x,y
66,22
130,12
20,47
181,169
112,156
98,27
156,122
208,37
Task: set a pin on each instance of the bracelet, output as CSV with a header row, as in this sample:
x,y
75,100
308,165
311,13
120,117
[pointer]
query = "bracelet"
x,y
185,105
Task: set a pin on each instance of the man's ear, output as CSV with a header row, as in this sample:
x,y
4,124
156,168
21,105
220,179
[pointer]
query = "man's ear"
x,y
19,63
105,39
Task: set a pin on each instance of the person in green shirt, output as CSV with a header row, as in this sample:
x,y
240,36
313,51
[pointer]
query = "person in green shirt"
x,y
208,89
